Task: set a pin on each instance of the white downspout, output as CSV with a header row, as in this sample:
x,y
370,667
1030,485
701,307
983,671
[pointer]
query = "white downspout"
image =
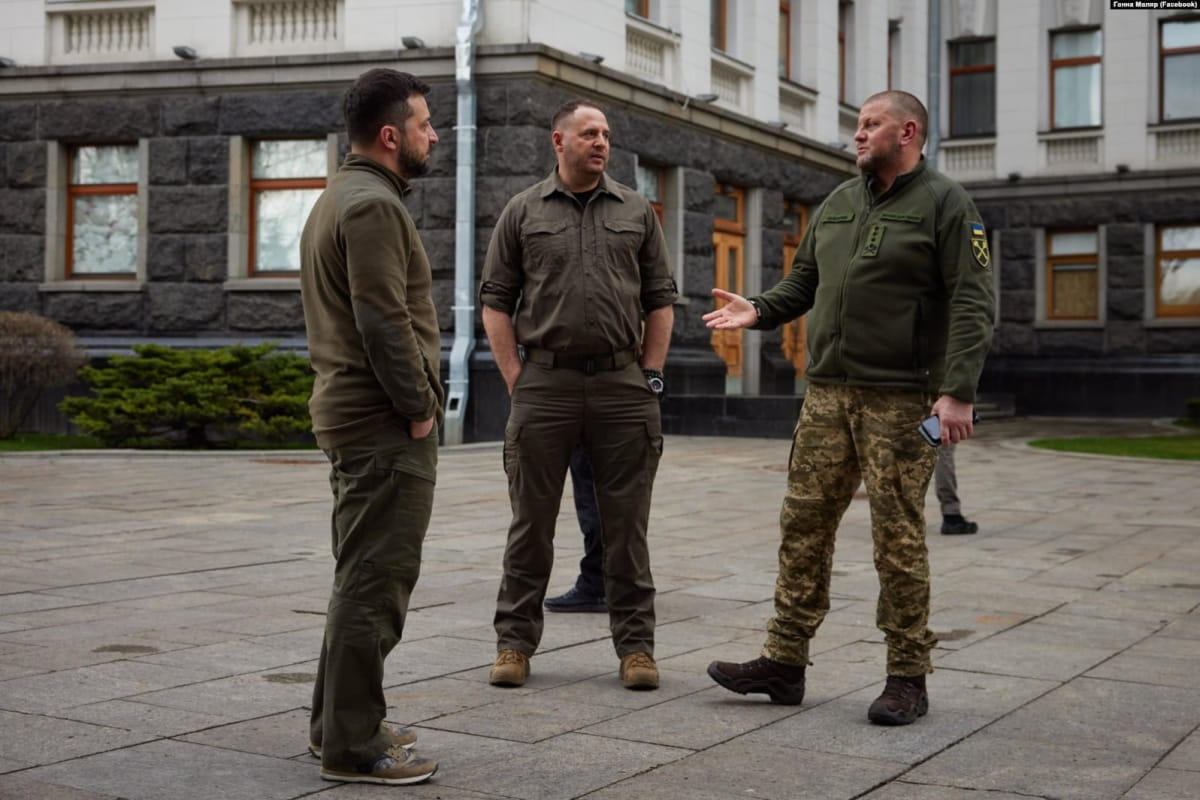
x,y
933,139
464,225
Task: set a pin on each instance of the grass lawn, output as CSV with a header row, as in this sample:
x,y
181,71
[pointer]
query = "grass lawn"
x,y
1181,447
26,442
47,441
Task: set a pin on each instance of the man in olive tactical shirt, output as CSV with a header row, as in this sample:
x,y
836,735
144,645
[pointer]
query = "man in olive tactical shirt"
x,y
373,340
577,274
896,272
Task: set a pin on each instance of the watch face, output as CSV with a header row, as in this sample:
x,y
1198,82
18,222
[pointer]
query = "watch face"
x,y
656,385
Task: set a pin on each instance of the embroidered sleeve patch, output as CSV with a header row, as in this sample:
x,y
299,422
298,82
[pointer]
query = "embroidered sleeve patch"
x,y
979,245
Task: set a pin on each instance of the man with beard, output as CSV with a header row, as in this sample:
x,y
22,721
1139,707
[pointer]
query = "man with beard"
x,y
374,343
576,268
896,273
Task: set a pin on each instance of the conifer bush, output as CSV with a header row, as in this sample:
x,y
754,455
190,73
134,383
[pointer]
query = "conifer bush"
x,y
35,354
195,398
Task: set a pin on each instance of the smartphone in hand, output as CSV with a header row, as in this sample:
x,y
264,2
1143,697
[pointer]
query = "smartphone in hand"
x,y
931,429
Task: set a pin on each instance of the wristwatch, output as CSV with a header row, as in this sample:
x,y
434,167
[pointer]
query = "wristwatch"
x,y
654,379
757,310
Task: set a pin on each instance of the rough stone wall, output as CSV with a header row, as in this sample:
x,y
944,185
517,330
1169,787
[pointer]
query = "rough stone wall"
x,y
1125,215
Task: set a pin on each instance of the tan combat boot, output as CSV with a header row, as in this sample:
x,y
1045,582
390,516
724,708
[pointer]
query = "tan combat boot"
x,y
511,669
638,671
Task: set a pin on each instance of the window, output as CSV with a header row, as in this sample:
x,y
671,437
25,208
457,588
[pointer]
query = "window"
x,y
1179,64
729,244
973,87
893,52
640,8
843,26
795,222
785,39
652,184
102,212
719,24
1075,78
1072,275
286,177
1177,271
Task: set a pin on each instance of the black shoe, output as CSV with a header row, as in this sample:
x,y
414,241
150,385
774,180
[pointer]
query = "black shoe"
x,y
576,600
902,701
783,683
954,524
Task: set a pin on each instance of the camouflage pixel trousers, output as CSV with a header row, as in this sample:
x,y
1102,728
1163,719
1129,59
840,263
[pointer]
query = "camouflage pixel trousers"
x,y
849,434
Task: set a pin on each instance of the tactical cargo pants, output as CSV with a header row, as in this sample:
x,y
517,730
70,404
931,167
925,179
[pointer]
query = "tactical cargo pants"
x,y
616,417
847,434
382,500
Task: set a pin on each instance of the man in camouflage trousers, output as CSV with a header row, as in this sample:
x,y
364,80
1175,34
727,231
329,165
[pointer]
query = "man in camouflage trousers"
x,y
896,272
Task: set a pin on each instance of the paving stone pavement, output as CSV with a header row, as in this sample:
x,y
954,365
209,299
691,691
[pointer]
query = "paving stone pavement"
x,y
160,616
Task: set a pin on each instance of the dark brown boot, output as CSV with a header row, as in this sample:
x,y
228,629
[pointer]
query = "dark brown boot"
x,y
902,701
783,683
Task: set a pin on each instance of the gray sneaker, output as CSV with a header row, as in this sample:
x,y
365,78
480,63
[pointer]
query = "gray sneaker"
x,y
401,737
396,767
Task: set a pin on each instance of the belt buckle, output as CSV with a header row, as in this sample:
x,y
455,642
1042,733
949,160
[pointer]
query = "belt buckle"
x,y
589,366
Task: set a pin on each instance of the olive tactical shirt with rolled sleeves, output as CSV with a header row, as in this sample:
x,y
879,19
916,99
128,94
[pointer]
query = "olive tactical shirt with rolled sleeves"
x,y
579,279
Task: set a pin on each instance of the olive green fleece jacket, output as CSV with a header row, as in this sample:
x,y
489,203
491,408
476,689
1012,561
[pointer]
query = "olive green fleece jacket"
x,y
365,283
899,286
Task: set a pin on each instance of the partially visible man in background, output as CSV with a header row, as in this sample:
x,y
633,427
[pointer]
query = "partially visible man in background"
x,y
373,339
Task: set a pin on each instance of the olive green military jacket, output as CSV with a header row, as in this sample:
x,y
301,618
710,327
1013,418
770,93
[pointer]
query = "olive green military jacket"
x,y
899,287
365,283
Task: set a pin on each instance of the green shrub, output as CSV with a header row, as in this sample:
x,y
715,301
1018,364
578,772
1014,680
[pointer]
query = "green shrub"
x,y
35,354
196,398
1191,409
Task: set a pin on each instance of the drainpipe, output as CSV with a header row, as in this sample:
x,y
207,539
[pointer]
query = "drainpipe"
x,y
464,226
934,48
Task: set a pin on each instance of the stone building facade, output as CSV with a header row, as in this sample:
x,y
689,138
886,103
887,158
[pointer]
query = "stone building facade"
x,y
737,117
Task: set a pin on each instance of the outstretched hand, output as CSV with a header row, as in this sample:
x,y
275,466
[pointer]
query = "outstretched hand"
x,y
736,313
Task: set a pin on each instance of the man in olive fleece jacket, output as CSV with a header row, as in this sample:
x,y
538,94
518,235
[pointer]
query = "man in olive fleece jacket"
x,y
896,271
373,340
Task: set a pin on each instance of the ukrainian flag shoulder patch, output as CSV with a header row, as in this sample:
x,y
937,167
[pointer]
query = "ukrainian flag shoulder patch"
x,y
979,244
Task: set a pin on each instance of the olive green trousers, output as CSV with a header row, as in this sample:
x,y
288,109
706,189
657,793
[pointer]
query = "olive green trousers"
x,y
616,418
382,500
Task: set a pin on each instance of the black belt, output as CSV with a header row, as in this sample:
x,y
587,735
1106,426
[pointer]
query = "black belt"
x,y
588,364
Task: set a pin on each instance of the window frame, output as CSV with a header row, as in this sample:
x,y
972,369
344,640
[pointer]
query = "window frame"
x,y
843,24
659,205
1163,55
256,186
1177,310
1053,262
893,50
975,69
1075,61
792,333
74,190
785,28
718,32
724,224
